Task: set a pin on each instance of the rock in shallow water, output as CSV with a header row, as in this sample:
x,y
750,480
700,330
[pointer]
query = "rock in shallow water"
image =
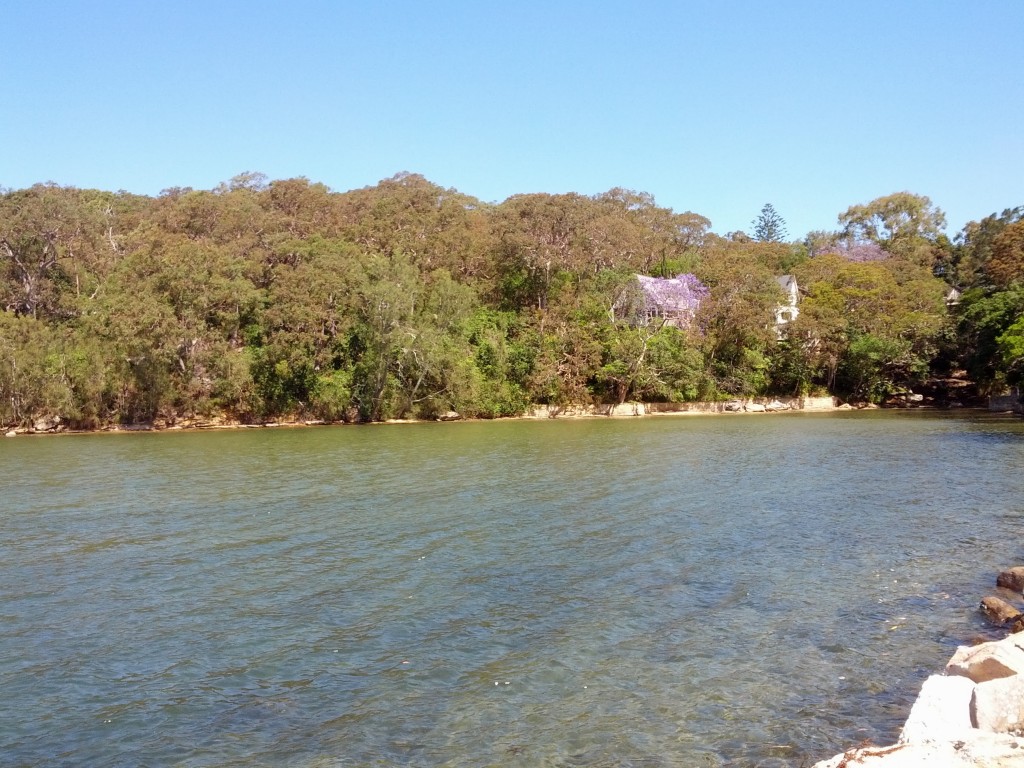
x,y
1012,578
998,610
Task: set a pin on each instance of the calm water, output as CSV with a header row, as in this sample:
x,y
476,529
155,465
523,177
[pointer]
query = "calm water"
x,y
665,592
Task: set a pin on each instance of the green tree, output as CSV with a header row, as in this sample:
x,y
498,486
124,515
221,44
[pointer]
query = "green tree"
x,y
983,319
1005,266
769,226
1010,345
866,328
973,247
737,319
904,224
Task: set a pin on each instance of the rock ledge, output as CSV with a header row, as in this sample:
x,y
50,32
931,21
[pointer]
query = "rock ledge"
x,y
971,715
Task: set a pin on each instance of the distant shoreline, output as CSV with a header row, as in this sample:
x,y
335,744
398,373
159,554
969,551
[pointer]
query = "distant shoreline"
x,y
747,407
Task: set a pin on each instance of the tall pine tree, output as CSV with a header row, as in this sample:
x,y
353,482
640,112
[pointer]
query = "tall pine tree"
x,y
769,227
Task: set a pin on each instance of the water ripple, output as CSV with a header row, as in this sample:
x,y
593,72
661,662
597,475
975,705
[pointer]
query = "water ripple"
x,y
677,592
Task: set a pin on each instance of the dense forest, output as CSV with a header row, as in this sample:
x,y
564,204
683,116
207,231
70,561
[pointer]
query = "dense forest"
x,y
263,300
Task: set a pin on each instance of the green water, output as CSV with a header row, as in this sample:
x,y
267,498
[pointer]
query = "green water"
x,y
679,591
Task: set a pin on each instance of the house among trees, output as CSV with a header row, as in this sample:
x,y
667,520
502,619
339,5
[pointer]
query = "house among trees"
x,y
787,311
671,300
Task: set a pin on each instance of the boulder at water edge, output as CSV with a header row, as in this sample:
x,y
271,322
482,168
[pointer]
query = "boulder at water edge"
x,y
998,706
941,711
998,610
1012,578
988,661
46,424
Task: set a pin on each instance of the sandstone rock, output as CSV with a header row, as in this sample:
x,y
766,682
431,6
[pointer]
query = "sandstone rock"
x,y
734,405
988,661
11,433
46,423
979,750
449,416
754,408
1014,641
998,611
998,706
957,722
777,405
941,711
1012,578
627,409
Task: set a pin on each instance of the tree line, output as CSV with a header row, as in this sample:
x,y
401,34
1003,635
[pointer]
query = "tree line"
x,y
263,299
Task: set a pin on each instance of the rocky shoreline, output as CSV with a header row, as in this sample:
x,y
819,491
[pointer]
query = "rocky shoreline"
x,y
972,713
56,425
755,405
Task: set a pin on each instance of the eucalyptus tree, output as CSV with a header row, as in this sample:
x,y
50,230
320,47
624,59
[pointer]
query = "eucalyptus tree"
x,y
1005,266
989,328
537,235
866,328
737,319
434,227
904,224
56,244
974,246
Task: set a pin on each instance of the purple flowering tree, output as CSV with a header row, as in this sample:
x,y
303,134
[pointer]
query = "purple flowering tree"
x,y
676,299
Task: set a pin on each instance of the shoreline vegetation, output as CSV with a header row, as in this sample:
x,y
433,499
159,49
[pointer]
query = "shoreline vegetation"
x,y
267,299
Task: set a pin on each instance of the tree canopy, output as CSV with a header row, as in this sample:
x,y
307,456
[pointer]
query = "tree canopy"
x,y
265,299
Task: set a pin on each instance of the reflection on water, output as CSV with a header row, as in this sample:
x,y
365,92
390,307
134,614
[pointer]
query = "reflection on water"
x,y
665,592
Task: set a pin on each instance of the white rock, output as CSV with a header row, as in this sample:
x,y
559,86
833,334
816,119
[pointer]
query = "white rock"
x,y
940,730
980,750
754,408
941,711
628,409
998,706
46,423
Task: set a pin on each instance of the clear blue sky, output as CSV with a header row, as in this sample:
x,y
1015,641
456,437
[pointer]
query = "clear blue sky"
x,y
715,107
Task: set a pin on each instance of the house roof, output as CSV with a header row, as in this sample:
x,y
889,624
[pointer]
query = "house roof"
x,y
787,282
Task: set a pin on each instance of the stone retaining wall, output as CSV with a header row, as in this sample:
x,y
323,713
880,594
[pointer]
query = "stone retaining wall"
x,y
748,405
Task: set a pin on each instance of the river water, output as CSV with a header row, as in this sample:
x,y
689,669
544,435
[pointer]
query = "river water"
x,y
677,591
